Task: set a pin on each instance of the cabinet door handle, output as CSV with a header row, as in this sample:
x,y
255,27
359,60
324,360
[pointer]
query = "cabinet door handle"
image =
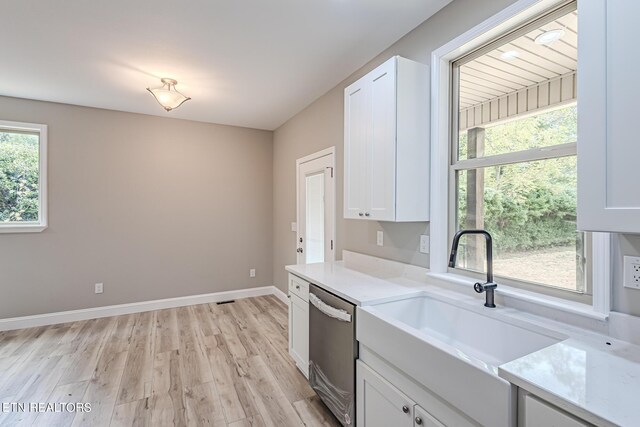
x,y
360,214
367,214
405,409
298,287
419,421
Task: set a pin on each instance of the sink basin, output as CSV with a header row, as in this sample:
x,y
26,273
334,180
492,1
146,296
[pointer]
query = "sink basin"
x,y
480,339
453,350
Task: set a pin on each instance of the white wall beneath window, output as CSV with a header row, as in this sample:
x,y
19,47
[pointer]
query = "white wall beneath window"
x,y
151,207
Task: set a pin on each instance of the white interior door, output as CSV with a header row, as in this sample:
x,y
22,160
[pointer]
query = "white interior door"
x,y
315,240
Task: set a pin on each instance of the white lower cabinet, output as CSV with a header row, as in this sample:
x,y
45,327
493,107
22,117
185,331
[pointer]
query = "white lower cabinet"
x,y
537,413
381,404
299,323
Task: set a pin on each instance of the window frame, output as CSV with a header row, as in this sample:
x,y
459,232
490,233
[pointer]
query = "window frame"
x,y
530,155
515,16
42,223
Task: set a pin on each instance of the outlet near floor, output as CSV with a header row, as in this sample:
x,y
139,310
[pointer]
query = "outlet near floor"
x,y
99,288
631,272
252,272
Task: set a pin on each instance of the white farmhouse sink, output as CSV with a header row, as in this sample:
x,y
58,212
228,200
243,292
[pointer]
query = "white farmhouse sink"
x,y
452,350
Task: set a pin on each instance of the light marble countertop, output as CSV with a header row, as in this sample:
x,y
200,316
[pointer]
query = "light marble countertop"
x,y
583,375
597,382
356,287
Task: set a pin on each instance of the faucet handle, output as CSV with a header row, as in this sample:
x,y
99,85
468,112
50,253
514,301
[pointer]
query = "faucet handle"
x,y
481,287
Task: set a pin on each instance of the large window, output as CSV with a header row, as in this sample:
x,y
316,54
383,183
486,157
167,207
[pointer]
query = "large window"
x,y
22,177
513,162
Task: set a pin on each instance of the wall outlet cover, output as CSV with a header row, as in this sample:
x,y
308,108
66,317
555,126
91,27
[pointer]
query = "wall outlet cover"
x,y
99,288
424,244
380,238
294,226
631,267
252,272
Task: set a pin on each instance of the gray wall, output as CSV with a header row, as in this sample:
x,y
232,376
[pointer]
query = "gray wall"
x,y
320,125
153,207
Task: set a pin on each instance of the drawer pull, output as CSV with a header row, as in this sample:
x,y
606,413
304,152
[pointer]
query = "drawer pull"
x,y
405,409
419,421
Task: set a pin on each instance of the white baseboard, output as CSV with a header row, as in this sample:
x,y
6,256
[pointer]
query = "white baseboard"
x,y
280,295
136,307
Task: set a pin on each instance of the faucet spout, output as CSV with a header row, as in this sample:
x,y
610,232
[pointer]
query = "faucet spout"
x,y
490,285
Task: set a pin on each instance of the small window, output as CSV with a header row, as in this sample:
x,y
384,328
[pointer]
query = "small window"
x,y
23,206
513,165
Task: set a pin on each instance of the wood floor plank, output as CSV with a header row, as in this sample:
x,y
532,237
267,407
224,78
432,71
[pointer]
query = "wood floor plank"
x,y
229,332
294,385
87,355
314,413
167,403
273,405
203,405
255,421
208,364
134,414
66,393
194,364
138,372
167,330
237,402
206,319
102,390
122,334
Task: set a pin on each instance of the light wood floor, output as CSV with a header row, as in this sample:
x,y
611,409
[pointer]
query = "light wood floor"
x,y
221,365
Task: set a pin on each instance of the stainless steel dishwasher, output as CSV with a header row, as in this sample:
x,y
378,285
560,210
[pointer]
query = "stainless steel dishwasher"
x,y
333,351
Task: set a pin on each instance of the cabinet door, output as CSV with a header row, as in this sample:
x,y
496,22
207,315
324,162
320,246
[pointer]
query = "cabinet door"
x,y
380,404
421,418
381,185
539,414
608,88
357,107
299,332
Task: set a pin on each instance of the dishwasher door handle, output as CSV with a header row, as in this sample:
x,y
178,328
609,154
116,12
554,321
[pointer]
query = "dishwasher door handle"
x,y
330,311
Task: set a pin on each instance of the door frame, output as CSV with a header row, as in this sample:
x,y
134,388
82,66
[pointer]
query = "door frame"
x,y
331,151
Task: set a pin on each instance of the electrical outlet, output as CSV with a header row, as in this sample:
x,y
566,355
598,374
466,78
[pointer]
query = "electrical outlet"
x,y
99,288
632,272
294,226
252,272
424,244
380,238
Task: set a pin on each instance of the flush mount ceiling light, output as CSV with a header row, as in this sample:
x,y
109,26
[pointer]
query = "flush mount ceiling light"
x,y
550,36
510,55
167,95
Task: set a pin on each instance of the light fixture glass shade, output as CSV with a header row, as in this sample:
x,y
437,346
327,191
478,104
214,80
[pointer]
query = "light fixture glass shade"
x,y
167,95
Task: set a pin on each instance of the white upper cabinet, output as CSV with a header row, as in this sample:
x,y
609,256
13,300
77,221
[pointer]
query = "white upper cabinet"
x,y
608,137
386,143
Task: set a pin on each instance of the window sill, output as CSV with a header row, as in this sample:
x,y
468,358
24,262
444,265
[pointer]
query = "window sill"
x,y
545,301
22,228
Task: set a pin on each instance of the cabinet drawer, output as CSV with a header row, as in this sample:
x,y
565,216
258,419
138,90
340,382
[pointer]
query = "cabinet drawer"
x,y
299,287
540,414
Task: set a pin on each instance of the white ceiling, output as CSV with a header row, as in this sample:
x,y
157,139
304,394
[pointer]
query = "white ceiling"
x,y
251,63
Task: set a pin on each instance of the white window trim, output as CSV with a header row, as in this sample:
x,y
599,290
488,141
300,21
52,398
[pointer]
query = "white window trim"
x,y
42,223
510,18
